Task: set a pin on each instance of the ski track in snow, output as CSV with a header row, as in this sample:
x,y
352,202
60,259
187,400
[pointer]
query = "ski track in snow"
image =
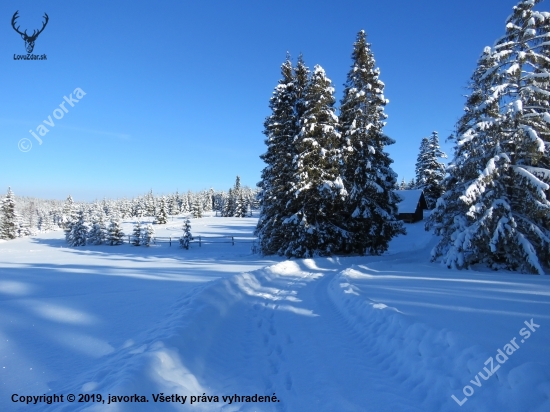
x,y
333,334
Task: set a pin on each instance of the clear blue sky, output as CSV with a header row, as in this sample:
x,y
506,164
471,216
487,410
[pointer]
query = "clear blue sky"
x,y
177,91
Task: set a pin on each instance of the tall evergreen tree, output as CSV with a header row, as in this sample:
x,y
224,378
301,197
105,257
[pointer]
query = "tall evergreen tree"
x,y
147,235
187,237
429,171
68,215
47,222
197,208
98,232
28,219
218,203
77,235
421,161
371,207
187,202
8,222
229,204
237,188
115,234
173,207
137,234
496,209
209,201
314,225
150,204
302,80
235,204
240,206
162,212
280,129
138,208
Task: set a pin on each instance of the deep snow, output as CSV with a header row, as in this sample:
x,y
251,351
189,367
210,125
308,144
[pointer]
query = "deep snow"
x,y
387,333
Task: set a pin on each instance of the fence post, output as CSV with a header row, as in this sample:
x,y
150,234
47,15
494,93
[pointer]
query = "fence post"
x,y
129,239
200,244
171,237
232,241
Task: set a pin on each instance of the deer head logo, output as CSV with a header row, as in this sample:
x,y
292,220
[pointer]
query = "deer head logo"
x,y
29,40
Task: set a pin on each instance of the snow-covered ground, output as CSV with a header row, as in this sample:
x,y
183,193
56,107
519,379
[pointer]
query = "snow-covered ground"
x,y
388,333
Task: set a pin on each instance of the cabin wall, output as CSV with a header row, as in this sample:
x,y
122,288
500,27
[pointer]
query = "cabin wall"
x,y
417,216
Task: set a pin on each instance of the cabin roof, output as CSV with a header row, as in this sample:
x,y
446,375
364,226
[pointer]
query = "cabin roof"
x,y
410,199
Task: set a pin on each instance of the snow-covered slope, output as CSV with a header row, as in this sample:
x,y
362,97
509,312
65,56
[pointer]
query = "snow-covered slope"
x,y
386,333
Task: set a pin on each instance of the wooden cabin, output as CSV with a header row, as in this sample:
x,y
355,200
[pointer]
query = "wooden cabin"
x,y
412,205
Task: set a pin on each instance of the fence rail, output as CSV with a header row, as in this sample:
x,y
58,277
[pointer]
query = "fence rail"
x,y
202,239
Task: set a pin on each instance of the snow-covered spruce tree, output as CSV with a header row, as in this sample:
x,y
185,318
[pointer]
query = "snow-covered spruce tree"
x,y
162,212
314,223
237,188
187,237
240,206
403,185
370,210
429,171
78,233
209,201
187,202
28,218
148,234
150,204
197,208
219,201
421,161
229,205
280,129
238,199
23,227
46,222
69,214
137,234
173,208
106,207
496,209
8,219
115,235
98,232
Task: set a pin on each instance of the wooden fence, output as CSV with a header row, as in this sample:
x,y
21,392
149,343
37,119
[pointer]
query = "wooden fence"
x,y
201,240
